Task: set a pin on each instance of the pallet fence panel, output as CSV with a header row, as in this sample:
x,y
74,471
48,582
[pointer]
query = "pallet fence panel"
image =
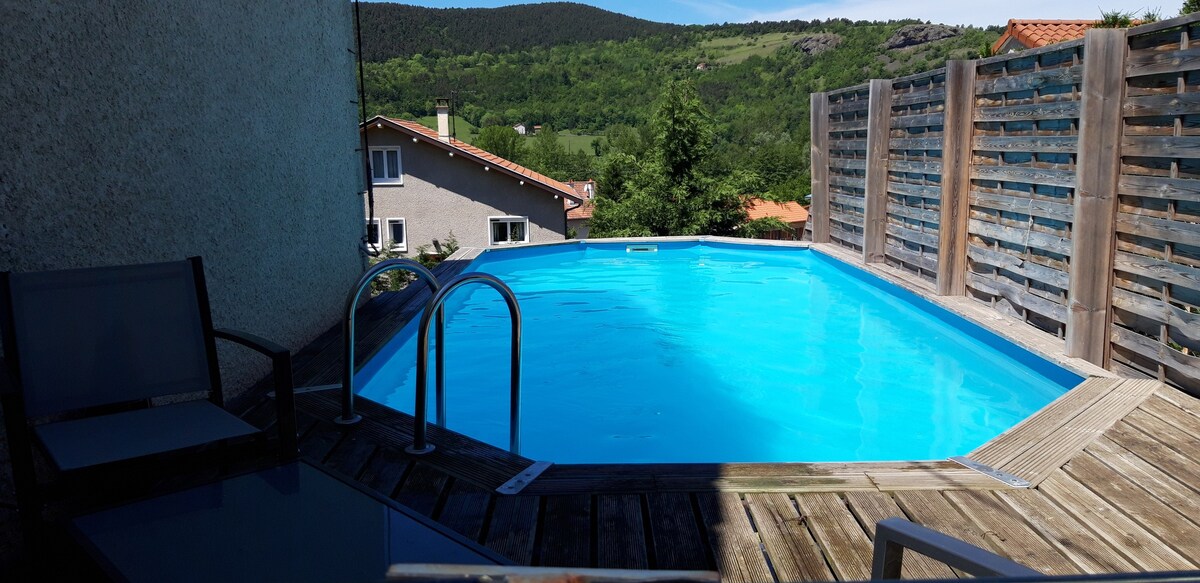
x,y
1156,287
1022,182
847,155
817,227
1089,294
879,117
914,191
1078,215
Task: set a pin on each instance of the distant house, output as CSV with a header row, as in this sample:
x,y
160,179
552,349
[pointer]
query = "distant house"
x,y
579,215
428,185
1029,34
791,213
520,128
536,128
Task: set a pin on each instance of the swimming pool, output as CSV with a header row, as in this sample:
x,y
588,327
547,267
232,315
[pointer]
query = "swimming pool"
x,y
712,352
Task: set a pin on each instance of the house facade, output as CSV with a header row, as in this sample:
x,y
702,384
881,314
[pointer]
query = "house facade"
x,y
429,186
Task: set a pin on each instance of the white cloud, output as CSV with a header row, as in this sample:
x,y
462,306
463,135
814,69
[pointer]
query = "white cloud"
x,y
958,11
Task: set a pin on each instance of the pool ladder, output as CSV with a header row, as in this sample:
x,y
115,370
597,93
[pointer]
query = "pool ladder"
x,y
435,305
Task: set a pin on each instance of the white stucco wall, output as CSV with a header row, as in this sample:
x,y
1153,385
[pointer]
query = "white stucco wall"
x,y
442,193
150,130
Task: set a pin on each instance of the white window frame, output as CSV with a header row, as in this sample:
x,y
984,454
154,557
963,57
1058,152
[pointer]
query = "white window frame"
x,y
378,242
508,219
403,245
399,178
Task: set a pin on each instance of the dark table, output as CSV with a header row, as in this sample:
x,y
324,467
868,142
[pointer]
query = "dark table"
x,y
288,523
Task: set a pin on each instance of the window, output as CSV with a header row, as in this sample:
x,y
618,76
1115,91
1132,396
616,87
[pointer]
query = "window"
x,y
373,233
385,166
396,234
506,230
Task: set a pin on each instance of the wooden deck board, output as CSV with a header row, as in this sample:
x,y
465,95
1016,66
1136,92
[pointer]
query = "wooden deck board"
x,y
384,471
794,554
621,534
566,539
422,488
834,527
1017,440
932,509
1160,519
1009,533
466,509
1177,495
734,542
513,528
1069,439
1111,525
870,508
1067,534
674,532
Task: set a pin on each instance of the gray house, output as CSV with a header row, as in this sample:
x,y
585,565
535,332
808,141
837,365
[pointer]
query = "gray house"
x,y
429,185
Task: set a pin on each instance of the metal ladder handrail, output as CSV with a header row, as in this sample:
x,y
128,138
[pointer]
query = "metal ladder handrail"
x,y
349,417
420,443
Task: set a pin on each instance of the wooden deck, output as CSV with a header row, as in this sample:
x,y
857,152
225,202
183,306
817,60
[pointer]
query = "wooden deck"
x,y
1115,468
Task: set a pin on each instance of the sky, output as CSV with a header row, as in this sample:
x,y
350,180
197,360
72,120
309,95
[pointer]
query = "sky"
x,y
972,12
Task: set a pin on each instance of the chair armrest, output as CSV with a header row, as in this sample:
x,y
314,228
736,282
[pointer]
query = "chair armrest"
x,y
285,400
252,341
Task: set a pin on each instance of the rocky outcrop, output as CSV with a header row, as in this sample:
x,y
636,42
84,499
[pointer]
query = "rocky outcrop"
x,y
919,34
817,43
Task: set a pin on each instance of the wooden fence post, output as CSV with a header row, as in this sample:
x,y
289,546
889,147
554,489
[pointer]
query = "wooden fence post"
x,y
957,125
1097,169
819,167
879,130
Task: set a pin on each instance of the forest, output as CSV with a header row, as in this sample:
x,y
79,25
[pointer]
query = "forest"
x,y
535,65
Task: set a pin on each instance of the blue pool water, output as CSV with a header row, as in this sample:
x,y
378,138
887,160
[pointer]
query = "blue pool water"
x,y
710,352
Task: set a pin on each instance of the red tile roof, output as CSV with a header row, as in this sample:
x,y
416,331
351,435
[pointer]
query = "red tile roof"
x,y
584,210
1039,33
581,211
483,157
788,212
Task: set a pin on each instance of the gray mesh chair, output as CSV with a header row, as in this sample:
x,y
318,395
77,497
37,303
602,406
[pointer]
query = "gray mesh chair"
x,y
88,353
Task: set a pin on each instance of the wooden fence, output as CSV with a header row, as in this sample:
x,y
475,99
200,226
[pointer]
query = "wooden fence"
x,y
1059,185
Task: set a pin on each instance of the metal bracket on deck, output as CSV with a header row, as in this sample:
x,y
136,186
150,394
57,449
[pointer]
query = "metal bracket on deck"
x,y
519,481
991,472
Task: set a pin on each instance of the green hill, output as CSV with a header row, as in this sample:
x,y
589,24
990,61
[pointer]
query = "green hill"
x,y
401,30
754,79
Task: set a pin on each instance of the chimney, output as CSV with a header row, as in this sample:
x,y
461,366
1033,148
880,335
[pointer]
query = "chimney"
x,y
443,115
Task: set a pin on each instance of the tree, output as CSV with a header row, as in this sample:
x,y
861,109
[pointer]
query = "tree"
x,y
1189,6
502,141
671,193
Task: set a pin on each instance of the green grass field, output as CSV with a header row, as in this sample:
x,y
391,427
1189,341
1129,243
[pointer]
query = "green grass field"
x,y
573,142
467,132
735,49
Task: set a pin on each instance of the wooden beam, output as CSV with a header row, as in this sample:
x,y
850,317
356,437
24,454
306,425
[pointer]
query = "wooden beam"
x,y
956,178
879,114
819,167
1097,170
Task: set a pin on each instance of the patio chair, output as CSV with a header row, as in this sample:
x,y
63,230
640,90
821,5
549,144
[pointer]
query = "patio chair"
x,y
117,365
